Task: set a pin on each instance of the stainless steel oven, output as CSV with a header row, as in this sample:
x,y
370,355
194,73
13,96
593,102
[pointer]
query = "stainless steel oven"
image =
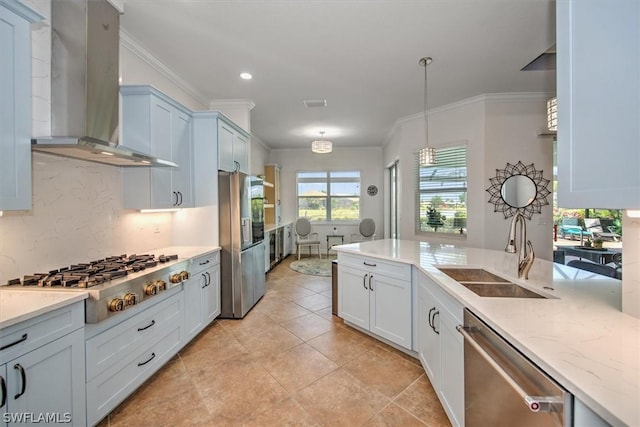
x,y
504,388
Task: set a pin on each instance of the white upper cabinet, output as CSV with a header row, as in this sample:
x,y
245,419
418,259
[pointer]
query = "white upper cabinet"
x,y
233,147
598,79
15,105
154,123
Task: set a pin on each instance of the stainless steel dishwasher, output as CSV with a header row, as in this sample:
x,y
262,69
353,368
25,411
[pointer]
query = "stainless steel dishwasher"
x,y
503,388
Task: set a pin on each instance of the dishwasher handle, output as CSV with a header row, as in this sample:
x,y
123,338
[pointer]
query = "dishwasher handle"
x,y
534,403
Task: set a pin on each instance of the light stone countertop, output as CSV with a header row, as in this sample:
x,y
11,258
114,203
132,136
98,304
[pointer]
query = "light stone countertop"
x,y
17,305
20,304
579,336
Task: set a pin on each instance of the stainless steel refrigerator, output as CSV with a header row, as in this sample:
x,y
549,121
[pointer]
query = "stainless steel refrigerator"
x,y
241,216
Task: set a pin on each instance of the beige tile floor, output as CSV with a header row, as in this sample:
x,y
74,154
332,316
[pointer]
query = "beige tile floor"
x,y
289,362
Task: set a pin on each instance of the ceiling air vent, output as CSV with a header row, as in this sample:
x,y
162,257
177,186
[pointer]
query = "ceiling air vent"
x,y
309,103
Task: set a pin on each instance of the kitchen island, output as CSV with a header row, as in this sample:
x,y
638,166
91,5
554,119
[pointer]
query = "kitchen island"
x,y
578,335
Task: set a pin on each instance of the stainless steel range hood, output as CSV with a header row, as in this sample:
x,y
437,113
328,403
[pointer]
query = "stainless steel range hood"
x,y
85,86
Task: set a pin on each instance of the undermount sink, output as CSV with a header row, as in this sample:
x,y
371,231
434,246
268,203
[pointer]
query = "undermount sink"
x,y
487,284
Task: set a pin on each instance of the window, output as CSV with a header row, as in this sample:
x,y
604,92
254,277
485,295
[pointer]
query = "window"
x,y
329,196
442,192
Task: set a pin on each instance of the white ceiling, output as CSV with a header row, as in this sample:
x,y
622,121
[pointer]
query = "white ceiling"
x,y
360,55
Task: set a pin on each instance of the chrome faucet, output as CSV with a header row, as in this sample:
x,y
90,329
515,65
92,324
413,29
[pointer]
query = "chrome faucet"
x,y
526,256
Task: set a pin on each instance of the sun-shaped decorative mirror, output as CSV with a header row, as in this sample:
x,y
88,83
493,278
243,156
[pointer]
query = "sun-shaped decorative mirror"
x,y
518,188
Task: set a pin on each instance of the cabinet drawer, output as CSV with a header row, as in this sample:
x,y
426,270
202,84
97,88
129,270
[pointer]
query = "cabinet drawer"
x,y
112,345
376,265
112,386
203,262
40,330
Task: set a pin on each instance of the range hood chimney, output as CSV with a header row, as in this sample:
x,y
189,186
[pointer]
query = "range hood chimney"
x,y
85,87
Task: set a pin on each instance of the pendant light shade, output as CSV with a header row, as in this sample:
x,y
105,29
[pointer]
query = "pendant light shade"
x,y
321,146
427,155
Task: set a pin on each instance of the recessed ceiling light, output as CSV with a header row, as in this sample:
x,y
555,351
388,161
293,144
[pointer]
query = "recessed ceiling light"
x,y
246,76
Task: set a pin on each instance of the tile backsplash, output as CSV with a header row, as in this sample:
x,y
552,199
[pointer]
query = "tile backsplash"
x,y
77,216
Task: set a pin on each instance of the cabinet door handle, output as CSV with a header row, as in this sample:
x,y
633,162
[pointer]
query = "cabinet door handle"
x,y
206,282
208,278
153,322
176,195
364,281
370,285
431,311
23,377
153,355
368,264
3,386
180,194
433,326
23,338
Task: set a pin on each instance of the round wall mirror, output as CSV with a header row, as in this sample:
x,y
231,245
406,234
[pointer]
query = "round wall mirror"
x,y
518,188
518,191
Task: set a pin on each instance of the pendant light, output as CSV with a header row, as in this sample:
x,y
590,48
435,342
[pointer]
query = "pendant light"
x,y
427,155
321,146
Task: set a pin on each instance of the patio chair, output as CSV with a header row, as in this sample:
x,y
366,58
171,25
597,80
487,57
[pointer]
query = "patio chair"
x,y
595,228
569,229
367,231
602,269
304,236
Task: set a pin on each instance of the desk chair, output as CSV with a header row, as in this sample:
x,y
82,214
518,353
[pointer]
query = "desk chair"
x,y
367,231
304,236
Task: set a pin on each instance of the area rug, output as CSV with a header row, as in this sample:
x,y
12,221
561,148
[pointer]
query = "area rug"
x,y
312,266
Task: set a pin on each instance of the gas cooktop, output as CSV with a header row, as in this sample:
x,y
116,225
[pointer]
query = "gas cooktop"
x,y
86,275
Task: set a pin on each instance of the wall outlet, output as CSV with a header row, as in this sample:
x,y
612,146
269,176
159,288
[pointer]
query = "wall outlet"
x,y
156,227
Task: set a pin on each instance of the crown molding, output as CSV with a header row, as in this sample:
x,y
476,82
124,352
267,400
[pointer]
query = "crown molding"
x,y
484,98
128,42
233,103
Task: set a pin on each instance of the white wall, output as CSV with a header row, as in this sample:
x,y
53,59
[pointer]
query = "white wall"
x,y
259,156
366,160
497,129
512,124
139,67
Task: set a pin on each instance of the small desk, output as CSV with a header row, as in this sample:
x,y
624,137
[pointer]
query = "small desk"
x,y
334,240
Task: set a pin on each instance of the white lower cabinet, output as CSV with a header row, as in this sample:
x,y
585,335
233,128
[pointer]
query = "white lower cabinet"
x,y
123,356
441,347
44,385
376,296
202,295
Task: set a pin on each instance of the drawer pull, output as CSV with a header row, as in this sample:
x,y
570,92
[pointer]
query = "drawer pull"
x,y
23,377
153,355
24,338
153,322
3,385
368,264
205,263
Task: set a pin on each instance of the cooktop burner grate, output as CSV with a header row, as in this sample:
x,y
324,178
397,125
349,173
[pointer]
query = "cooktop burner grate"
x,y
86,275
